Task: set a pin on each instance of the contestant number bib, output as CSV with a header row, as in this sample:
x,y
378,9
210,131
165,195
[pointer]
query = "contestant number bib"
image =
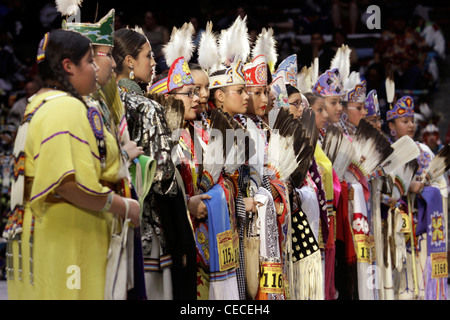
x,y
406,223
439,265
271,280
226,250
365,246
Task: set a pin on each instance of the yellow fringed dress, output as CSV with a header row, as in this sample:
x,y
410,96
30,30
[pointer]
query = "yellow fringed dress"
x,y
69,243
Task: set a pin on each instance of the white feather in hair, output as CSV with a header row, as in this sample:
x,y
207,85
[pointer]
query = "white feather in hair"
x,y
390,85
68,7
265,44
341,60
351,81
181,44
304,80
234,41
314,70
208,52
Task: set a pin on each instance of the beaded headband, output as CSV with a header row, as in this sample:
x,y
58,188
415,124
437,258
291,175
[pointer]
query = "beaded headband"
x,y
371,104
100,33
403,108
288,70
357,94
329,84
234,75
256,71
179,75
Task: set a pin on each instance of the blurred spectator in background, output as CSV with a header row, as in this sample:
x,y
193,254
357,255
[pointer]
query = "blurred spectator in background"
x,y
16,113
405,50
158,35
430,136
317,48
345,10
433,37
340,38
119,20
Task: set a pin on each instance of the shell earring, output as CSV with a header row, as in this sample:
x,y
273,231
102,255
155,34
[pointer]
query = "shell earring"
x,y
131,75
393,132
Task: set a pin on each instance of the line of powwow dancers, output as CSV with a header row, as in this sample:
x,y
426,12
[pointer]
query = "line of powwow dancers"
x,y
257,180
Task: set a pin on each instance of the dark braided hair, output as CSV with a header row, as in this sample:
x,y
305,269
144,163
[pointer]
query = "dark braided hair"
x,y
62,44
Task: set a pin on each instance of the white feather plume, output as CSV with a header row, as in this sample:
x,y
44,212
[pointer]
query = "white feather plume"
x,y
68,7
280,156
234,41
341,60
208,52
265,44
405,150
390,86
304,80
351,81
314,70
181,44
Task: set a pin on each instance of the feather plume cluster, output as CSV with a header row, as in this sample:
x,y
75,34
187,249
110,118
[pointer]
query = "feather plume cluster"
x,y
339,149
305,80
265,44
351,81
341,60
236,152
291,147
234,41
405,150
68,7
370,147
181,44
208,51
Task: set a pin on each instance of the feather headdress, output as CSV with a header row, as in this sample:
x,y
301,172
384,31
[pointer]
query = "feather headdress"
x,y
234,41
341,60
265,44
68,7
208,51
181,44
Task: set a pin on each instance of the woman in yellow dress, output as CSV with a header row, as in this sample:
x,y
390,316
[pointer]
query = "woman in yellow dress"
x,y
69,167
